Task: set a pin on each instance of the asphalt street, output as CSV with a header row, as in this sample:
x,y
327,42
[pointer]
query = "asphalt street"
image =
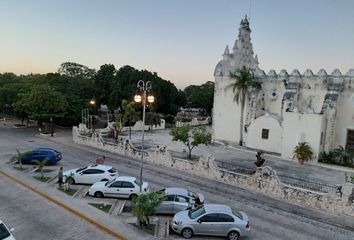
x,y
270,219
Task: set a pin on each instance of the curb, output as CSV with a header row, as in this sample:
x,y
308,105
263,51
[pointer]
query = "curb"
x,y
66,207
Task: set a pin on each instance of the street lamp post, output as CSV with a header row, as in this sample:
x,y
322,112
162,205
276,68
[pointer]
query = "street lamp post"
x,y
143,86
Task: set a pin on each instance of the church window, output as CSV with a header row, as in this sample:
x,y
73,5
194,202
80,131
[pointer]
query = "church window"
x,y
265,133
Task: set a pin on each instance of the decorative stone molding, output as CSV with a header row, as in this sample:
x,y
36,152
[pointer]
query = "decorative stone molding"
x,y
264,180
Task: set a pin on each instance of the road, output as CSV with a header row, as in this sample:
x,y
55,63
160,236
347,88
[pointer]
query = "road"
x,y
270,219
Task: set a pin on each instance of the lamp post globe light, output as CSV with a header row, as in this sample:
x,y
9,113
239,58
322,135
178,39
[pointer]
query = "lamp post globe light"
x,y
143,87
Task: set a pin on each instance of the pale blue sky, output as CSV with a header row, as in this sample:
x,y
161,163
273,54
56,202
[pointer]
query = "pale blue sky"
x,y
181,40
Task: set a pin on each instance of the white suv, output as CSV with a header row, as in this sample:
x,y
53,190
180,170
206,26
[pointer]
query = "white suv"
x,y
90,174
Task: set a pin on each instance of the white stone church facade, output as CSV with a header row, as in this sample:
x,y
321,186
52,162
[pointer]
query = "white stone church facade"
x,y
289,108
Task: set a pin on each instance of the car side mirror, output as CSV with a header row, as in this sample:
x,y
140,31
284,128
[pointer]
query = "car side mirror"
x,y
12,229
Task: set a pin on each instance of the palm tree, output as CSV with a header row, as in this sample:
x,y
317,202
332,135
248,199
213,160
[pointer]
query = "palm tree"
x,y
18,157
243,80
303,152
41,165
343,155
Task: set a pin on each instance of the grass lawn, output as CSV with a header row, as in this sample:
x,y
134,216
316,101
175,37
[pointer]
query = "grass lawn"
x,y
150,228
70,192
20,169
101,207
44,179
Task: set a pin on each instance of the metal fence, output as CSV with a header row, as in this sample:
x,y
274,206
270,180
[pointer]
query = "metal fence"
x,y
307,184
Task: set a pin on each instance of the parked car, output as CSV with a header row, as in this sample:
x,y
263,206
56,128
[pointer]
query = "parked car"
x,y
211,219
178,199
90,174
121,187
6,233
41,154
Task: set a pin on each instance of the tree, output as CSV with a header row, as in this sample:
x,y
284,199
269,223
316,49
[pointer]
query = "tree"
x,y
191,137
129,114
145,205
43,103
201,96
41,165
72,69
259,158
152,119
303,152
343,155
18,157
103,82
243,80
118,126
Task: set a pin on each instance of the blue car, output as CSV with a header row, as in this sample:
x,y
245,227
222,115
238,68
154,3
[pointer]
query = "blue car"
x,y
40,154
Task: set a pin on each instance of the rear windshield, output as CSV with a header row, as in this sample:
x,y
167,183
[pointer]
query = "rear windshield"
x,y
237,214
112,170
3,231
80,169
193,214
137,182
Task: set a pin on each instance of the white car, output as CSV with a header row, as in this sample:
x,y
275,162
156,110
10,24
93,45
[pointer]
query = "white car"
x,y
5,233
121,187
90,174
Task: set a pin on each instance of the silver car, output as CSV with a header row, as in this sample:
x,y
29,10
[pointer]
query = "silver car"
x,y
211,219
178,199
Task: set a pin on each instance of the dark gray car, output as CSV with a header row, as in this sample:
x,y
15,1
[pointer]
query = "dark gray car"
x,y
178,199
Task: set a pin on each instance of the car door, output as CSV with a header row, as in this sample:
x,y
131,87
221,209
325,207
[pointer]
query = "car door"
x,y
89,176
205,224
223,224
181,203
114,189
127,189
167,205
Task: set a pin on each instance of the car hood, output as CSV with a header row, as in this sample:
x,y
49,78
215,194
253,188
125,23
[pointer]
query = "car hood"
x,y
181,216
69,172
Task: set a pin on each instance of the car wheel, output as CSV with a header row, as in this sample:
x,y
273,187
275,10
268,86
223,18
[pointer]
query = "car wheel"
x,y
98,195
70,180
187,233
233,235
132,196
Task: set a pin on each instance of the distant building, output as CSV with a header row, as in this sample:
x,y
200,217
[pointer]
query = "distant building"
x,y
289,108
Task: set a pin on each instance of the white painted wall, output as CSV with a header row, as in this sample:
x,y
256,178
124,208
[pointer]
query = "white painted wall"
x,y
254,134
345,117
300,127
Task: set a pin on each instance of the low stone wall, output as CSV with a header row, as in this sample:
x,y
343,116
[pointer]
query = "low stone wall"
x,y
193,122
264,181
138,126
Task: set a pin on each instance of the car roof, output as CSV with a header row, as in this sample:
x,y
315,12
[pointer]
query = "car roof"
x,y
126,178
176,190
99,166
44,149
220,208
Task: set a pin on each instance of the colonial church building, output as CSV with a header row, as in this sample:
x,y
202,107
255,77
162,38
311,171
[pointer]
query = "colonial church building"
x,y
290,107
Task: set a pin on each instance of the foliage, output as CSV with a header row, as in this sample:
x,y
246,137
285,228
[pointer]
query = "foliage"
x,y
72,69
191,137
41,165
201,96
243,80
349,178
170,119
118,126
129,114
103,82
260,160
145,205
303,152
103,207
325,157
18,157
344,156
152,119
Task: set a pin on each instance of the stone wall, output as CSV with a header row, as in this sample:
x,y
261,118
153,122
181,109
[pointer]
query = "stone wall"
x,y
193,122
265,180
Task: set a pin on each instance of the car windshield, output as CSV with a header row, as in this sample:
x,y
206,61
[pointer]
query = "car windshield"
x,y
137,182
3,231
237,214
109,182
193,214
80,169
